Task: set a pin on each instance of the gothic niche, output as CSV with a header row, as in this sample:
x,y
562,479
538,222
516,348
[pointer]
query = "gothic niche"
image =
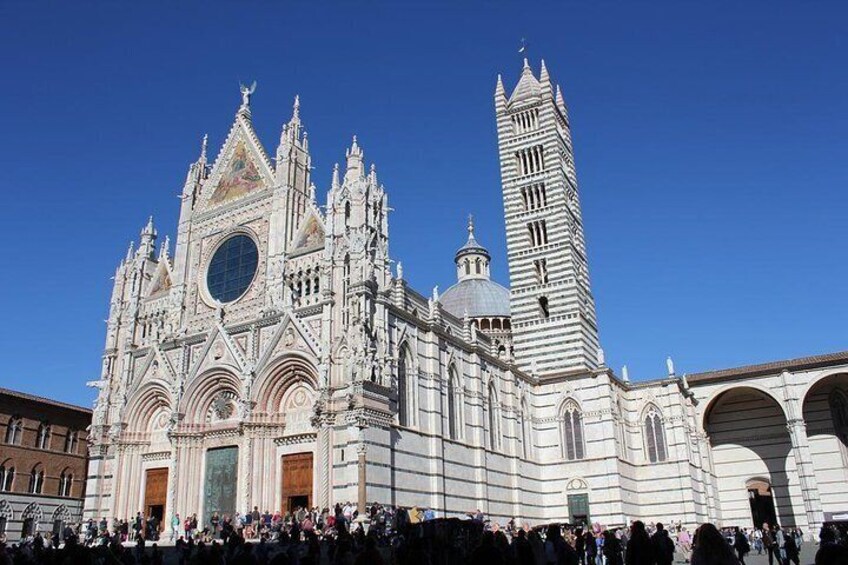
x,y
223,407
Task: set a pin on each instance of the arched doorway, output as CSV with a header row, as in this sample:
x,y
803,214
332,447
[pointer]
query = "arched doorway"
x,y
761,500
749,440
825,411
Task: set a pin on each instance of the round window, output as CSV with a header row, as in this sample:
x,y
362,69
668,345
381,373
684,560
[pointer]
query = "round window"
x,y
232,268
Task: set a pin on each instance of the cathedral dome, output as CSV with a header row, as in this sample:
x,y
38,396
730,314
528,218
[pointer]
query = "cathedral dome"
x,y
479,297
476,293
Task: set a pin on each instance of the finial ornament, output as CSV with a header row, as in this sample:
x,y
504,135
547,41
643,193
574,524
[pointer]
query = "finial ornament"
x,y
400,270
296,111
523,48
471,225
246,93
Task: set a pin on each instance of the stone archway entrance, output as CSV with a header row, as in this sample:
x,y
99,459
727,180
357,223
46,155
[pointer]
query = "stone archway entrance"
x,y
297,481
749,439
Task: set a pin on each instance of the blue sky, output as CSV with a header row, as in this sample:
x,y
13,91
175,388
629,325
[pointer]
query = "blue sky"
x,y
710,143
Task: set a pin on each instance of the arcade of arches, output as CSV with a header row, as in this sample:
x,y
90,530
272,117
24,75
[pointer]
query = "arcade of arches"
x,y
778,462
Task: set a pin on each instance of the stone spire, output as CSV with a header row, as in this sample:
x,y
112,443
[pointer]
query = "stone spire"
x,y
372,175
163,249
335,182
130,253
203,146
355,162
545,80
148,239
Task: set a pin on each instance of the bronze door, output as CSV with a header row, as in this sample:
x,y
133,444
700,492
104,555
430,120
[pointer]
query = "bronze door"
x,y
297,481
155,494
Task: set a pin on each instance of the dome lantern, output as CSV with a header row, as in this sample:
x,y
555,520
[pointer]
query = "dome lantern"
x,y
472,259
475,292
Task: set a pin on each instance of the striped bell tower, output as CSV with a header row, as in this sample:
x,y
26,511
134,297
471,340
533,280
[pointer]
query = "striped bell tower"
x,y
553,313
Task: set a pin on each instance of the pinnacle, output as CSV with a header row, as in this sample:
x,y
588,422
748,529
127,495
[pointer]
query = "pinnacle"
x,y
203,147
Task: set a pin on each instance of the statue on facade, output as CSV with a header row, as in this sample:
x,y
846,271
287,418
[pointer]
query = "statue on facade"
x,y
246,93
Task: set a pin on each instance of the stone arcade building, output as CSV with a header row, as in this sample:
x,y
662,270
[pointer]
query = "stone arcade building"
x,y
274,359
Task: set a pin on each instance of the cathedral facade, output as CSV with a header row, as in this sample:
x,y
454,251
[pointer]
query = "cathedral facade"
x,y
278,358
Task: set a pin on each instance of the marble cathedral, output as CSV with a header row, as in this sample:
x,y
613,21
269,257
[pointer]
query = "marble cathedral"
x,y
275,359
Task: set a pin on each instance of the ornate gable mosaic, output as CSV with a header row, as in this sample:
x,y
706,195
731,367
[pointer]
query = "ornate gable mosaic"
x,y
241,177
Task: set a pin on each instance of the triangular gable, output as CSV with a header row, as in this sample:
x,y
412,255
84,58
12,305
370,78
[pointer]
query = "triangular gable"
x,y
242,167
291,335
310,234
218,351
155,365
161,282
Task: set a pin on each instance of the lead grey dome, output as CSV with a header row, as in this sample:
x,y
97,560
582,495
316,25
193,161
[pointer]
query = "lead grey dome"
x,y
476,294
479,297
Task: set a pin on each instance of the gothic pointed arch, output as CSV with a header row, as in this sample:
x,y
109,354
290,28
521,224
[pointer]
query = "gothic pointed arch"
x,y
653,428
572,442
7,475
36,479
455,403
147,404
33,511
493,416
62,514
526,428
271,387
406,386
211,397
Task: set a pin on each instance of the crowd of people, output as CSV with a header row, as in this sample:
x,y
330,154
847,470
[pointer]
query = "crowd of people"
x,y
384,535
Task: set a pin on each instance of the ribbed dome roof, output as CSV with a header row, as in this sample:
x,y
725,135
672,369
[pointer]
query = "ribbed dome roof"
x,y
479,297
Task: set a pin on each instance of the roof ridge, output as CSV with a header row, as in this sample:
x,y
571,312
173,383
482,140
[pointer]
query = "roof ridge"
x,y
44,399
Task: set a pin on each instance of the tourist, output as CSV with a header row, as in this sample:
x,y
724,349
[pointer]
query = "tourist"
x,y
711,548
684,541
639,548
830,552
741,545
612,549
662,546
791,551
214,521
771,545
